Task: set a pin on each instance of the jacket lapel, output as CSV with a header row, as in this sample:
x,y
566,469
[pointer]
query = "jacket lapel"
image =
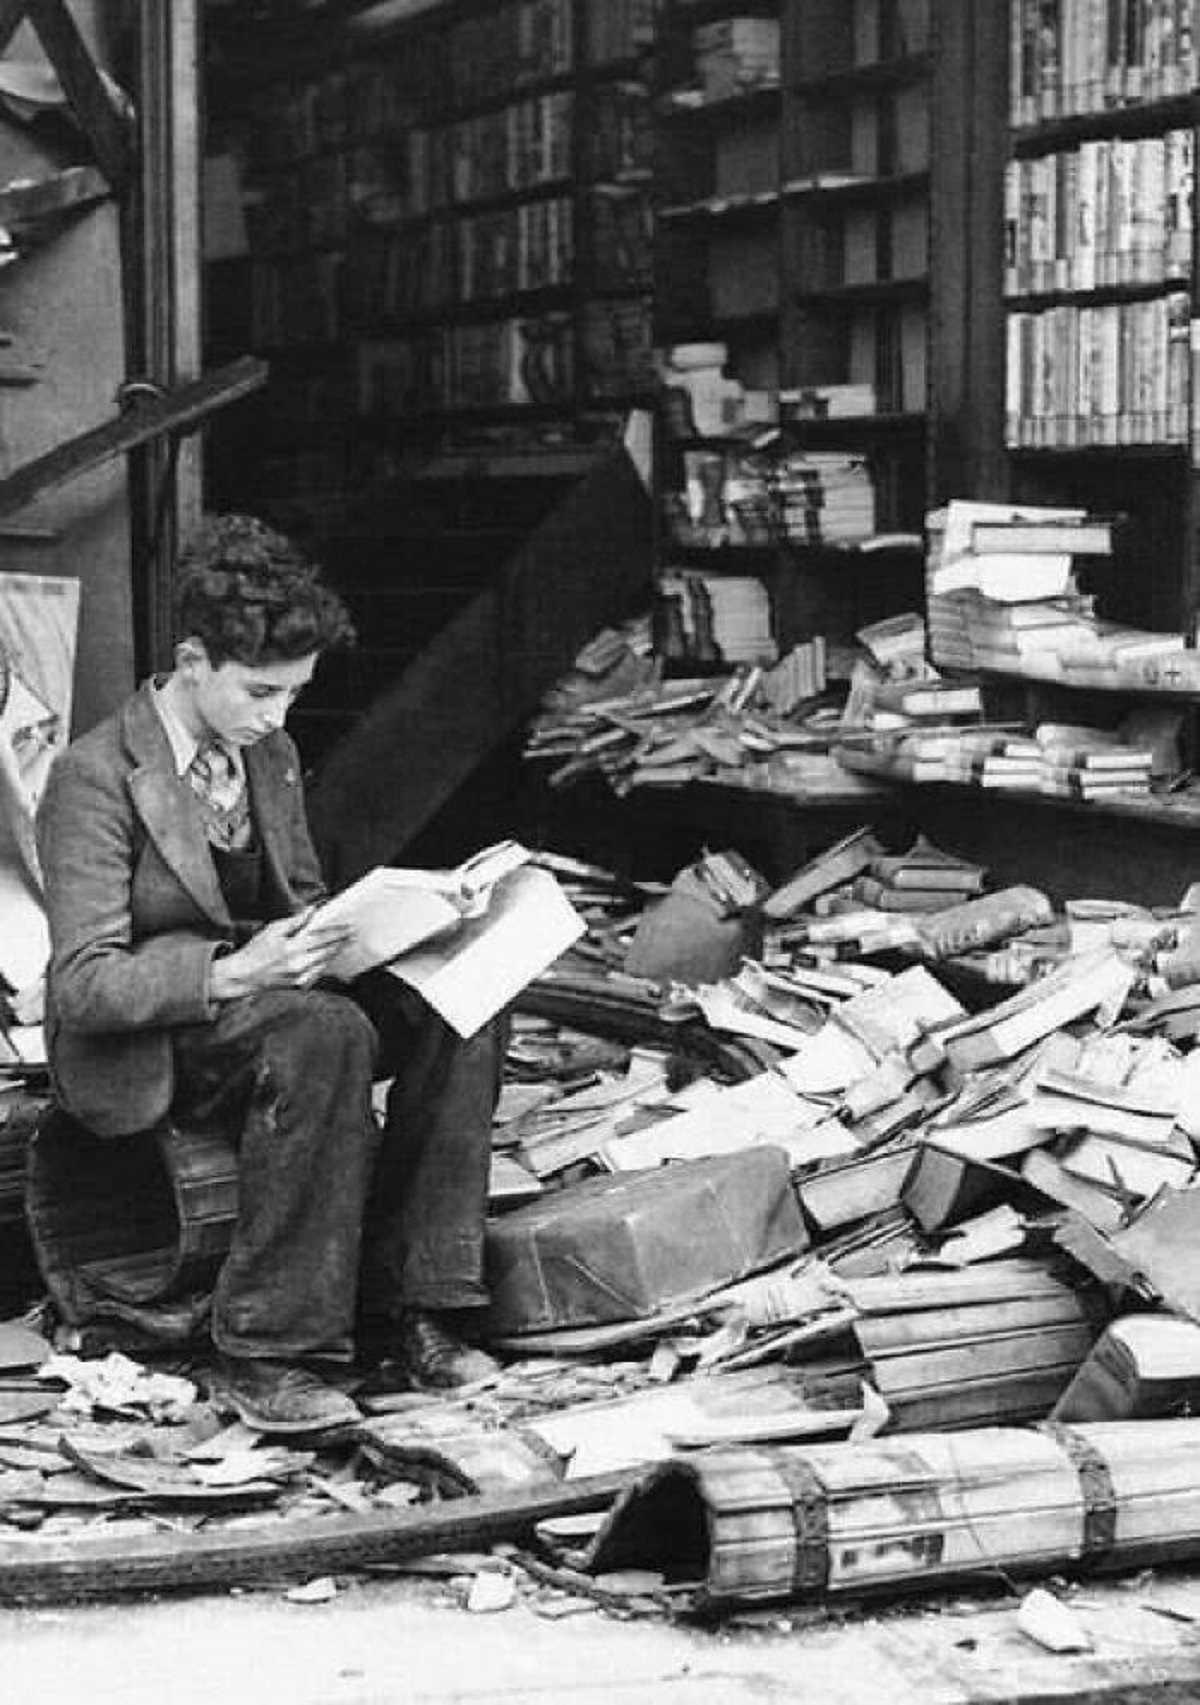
x,y
166,808
271,778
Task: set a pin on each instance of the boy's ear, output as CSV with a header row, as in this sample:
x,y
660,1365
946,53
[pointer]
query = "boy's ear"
x,y
190,654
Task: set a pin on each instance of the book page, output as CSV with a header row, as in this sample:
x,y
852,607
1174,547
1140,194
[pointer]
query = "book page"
x,y
471,975
388,911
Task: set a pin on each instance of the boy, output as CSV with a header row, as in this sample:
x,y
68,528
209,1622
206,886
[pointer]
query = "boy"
x,y
177,861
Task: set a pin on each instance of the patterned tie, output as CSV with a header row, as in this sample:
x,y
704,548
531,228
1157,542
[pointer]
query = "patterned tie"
x,y
218,784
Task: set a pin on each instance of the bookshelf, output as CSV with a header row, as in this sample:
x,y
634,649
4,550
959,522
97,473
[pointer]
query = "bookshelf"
x,y
855,229
1099,289
792,255
448,229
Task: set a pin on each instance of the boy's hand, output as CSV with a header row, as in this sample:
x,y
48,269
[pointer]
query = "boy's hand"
x,y
291,953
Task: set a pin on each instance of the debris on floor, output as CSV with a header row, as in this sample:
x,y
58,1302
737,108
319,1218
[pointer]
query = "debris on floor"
x,y
853,1250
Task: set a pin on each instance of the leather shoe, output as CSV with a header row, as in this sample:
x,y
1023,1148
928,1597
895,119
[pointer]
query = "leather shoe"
x,y
433,1357
278,1397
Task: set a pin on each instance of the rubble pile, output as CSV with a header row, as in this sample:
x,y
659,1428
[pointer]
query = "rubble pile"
x,y
792,1170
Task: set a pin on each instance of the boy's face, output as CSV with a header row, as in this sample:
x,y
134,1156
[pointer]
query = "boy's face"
x,y
238,703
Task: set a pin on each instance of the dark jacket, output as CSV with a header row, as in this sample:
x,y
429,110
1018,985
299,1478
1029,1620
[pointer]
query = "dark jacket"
x,y
135,907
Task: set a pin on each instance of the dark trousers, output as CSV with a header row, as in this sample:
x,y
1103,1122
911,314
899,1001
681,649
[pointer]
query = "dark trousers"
x,y
333,1218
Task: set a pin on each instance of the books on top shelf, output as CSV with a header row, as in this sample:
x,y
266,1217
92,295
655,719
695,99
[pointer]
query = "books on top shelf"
x,y
1082,56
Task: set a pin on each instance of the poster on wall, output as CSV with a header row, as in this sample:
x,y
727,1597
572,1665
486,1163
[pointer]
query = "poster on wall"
x,y
39,620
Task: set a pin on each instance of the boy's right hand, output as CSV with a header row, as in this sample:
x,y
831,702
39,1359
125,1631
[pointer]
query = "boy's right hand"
x,y
290,953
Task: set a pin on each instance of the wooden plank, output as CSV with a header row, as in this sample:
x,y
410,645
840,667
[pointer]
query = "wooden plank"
x,y
66,192
12,13
61,1570
102,120
182,410
166,274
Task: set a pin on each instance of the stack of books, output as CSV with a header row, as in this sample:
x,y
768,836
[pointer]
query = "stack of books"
x,y
1094,766
721,617
735,54
1002,595
796,678
826,498
923,879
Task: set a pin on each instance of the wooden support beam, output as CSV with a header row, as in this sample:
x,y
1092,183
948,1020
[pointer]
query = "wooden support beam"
x,y
181,410
60,1570
12,16
101,118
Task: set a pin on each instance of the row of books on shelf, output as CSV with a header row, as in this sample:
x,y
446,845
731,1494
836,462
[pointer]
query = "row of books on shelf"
x,y
538,359
1064,761
1108,212
388,275
1084,56
527,146
385,94
745,497
1111,373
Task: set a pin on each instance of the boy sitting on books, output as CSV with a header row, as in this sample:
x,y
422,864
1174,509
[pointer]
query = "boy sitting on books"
x,y
177,861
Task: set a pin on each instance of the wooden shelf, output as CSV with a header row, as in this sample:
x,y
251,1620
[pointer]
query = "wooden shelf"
x,y
866,79
1088,683
723,209
1157,451
1143,118
824,189
1145,290
833,429
882,290
763,98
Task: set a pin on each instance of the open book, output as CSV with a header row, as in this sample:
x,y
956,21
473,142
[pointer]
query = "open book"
x,y
467,939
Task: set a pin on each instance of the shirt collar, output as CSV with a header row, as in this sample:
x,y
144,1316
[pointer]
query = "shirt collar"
x,y
183,743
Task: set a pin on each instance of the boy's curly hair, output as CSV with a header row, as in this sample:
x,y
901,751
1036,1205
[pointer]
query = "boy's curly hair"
x,y
249,594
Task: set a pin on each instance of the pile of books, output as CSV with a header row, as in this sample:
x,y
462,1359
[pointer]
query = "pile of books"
x,y
825,497
923,879
718,617
796,678
734,54
1083,763
1058,759
1003,596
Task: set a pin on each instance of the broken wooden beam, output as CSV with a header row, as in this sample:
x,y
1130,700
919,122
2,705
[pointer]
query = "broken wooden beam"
x,y
98,111
181,410
61,1570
